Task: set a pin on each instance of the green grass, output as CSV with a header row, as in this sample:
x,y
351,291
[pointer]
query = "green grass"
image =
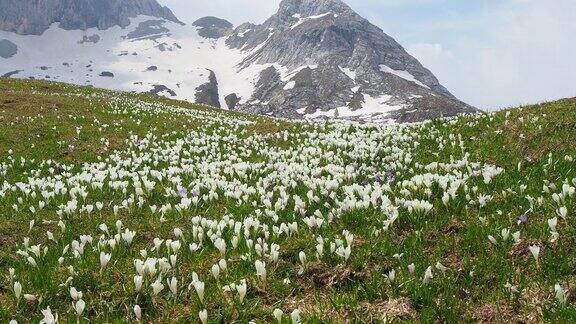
x,y
208,151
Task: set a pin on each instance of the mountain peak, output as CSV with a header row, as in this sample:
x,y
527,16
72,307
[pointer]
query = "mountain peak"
x,y
34,17
312,7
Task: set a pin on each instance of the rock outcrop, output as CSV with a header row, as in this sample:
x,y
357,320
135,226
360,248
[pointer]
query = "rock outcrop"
x,y
7,48
207,93
212,27
33,17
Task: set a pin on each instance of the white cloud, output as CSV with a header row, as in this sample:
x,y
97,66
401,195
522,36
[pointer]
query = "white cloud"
x,y
526,55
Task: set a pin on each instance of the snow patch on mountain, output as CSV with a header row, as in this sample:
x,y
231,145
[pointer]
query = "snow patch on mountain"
x,y
350,73
180,56
375,108
402,74
302,20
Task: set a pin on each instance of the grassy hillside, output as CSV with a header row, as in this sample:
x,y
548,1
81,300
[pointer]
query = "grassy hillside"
x,y
169,212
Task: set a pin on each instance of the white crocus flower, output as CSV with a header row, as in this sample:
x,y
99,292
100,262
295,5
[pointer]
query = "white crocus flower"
x,y
157,287
560,294
17,290
203,315
505,233
278,313
138,281
516,237
492,239
104,260
138,312
220,244
30,297
428,275
173,285
242,288
295,316
562,212
391,276
75,294
216,271
535,250
302,257
79,307
411,269
104,228
49,318
441,267
199,287
552,224
261,270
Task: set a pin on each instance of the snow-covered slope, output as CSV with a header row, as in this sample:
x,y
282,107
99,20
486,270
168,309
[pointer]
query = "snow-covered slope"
x,y
148,54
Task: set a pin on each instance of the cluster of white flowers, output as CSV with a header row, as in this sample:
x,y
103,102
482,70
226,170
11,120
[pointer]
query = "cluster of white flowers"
x,y
273,192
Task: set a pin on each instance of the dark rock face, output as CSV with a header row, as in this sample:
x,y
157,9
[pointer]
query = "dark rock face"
x,y
34,17
349,58
208,92
90,39
232,100
212,27
158,88
148,28
11,73
7,48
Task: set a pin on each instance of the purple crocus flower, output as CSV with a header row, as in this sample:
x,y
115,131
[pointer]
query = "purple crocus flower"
x,y
182,192
522,219
391,176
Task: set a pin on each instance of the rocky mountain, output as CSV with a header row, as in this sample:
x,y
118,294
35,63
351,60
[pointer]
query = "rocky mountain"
x,y
312,59
35,16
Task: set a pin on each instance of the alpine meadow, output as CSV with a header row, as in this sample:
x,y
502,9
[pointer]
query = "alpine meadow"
x,y
303,170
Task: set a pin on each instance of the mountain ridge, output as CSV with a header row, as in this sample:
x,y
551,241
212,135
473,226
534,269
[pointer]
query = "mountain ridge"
x,y
311,59
30,17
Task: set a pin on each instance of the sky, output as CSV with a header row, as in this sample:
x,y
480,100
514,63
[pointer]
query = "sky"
x,y
491,54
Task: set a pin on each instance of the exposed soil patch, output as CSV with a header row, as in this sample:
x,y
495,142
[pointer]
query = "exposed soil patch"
x,y
324,277
396,309
493,313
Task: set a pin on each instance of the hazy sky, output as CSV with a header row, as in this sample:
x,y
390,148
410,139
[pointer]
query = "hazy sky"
x,y
489,53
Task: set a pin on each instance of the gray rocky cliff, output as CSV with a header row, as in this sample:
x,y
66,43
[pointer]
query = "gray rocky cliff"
x,y
207,93
33,17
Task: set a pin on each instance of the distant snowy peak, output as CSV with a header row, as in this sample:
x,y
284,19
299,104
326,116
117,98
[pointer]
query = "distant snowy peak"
x,y
308,8
33,17
312,59
359,71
